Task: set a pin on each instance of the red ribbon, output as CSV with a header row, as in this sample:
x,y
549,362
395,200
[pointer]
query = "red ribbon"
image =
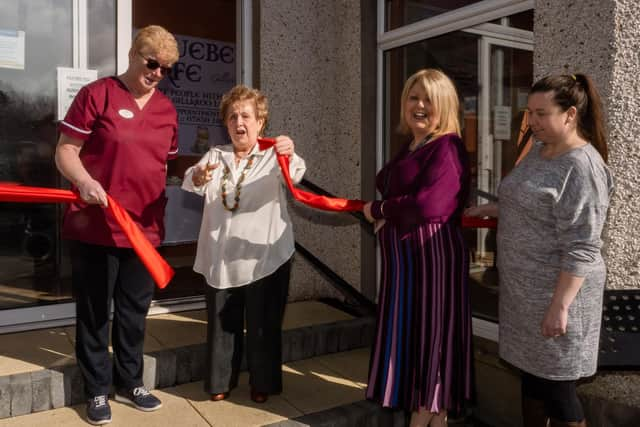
x,y
335,204
160,271
344,205
475,222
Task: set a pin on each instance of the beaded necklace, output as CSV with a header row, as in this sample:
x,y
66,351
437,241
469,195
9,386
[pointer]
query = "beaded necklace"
x,y
223,185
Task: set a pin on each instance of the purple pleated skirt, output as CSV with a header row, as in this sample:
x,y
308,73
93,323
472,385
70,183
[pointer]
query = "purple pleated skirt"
x,y
422,354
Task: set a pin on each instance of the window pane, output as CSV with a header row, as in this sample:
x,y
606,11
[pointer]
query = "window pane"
x,y
29,245
509,73
205,70
404,12
101,33
522,20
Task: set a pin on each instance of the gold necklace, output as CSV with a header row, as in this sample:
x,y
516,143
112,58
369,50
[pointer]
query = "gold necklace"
x,y
223,185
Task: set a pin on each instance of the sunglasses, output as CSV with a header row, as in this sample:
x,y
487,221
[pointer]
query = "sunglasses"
x,y
153,65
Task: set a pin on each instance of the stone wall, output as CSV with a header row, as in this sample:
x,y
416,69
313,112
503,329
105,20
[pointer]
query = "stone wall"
x,y
602,38
309,66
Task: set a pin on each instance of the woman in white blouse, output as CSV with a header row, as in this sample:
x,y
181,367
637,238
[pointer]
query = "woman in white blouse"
x,y
245,247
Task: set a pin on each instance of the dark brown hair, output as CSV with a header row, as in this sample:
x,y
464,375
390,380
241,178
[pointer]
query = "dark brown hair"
x,y
578,90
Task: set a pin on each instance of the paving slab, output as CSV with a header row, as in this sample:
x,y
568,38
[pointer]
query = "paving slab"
x,y
238,410
178,329
34,350
353,365
310,386
307,313
175,411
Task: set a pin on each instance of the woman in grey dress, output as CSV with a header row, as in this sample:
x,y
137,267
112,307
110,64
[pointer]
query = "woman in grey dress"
x,y
551,212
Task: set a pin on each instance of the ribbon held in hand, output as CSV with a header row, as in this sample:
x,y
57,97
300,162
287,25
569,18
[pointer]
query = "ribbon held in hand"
x,y
475,222
160,271
335,204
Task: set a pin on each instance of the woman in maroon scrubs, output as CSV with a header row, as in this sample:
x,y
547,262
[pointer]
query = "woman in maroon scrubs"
x,y
116,138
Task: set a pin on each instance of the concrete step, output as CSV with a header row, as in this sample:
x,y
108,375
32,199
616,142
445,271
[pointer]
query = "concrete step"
x,y
317,385
174,355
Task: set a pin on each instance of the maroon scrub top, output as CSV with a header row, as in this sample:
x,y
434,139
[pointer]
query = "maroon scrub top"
x,y
125,149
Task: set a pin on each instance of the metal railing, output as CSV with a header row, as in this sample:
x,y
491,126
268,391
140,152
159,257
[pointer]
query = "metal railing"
x,y
359,303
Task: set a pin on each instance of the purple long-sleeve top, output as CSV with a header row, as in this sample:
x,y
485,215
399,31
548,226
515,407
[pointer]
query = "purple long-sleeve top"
x,y
428,185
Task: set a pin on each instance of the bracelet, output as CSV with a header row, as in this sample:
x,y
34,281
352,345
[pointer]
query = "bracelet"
x,y
381,207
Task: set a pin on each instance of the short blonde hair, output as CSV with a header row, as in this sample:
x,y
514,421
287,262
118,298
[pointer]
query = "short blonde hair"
x,y
155,40
241,93
443,97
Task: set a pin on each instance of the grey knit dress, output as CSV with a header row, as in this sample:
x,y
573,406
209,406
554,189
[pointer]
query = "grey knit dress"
x,y
551,216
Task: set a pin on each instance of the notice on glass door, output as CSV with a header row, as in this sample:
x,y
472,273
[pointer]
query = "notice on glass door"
x,y
12,49
502,122
70,81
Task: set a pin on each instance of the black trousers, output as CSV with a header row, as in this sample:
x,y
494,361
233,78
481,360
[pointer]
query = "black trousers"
x,y
101,274
262,304
560,398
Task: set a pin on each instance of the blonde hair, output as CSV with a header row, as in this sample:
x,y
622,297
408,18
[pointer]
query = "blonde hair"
x,y
241,93
155,40
443,97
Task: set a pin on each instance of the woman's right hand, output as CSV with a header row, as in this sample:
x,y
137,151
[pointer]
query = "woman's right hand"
x,y
91,192
488,209
203,174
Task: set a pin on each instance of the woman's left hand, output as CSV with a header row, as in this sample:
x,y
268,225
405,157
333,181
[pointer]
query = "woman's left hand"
x,y
554,323
366,210
284,145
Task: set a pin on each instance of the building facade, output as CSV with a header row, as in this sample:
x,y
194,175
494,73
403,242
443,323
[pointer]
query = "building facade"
x,y
333,72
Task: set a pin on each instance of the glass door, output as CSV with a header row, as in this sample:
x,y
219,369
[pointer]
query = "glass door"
x,y
505,74
37,37
491,65
29,251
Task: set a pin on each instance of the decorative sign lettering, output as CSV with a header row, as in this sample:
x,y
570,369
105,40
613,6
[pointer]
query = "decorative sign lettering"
x,y
205,71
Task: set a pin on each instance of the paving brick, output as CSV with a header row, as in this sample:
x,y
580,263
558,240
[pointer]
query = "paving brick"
x,y
73,385
320,339
149,373
40,390
368,332
21,394
287,423
57,388
183,365
333,337
349,337
400,419
358,415
308,342
197,362
286,346
296,339
5,397
166,362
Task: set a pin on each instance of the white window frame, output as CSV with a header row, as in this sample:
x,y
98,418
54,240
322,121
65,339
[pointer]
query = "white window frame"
x,y
63,314
474,19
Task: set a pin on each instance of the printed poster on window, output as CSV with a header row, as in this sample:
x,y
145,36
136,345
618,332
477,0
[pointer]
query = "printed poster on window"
x,y
12,49
69,83
205,71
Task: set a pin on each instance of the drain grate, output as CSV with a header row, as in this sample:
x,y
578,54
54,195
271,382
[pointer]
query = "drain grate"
x,y
620,334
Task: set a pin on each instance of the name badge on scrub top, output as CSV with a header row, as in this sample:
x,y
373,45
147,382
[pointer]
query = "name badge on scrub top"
x,y
127,114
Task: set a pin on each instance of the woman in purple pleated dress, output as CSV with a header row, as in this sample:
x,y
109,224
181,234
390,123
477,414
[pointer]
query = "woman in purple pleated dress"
x,y
422,357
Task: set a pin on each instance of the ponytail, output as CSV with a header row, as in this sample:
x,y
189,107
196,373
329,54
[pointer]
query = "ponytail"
x,y
578,90
591,122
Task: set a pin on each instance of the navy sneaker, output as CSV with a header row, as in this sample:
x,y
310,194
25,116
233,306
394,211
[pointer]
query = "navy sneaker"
x,y
98,410
140,398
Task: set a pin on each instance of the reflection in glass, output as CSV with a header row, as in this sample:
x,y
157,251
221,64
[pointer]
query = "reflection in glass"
x,y
29,250
403,12
101,33
510,72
